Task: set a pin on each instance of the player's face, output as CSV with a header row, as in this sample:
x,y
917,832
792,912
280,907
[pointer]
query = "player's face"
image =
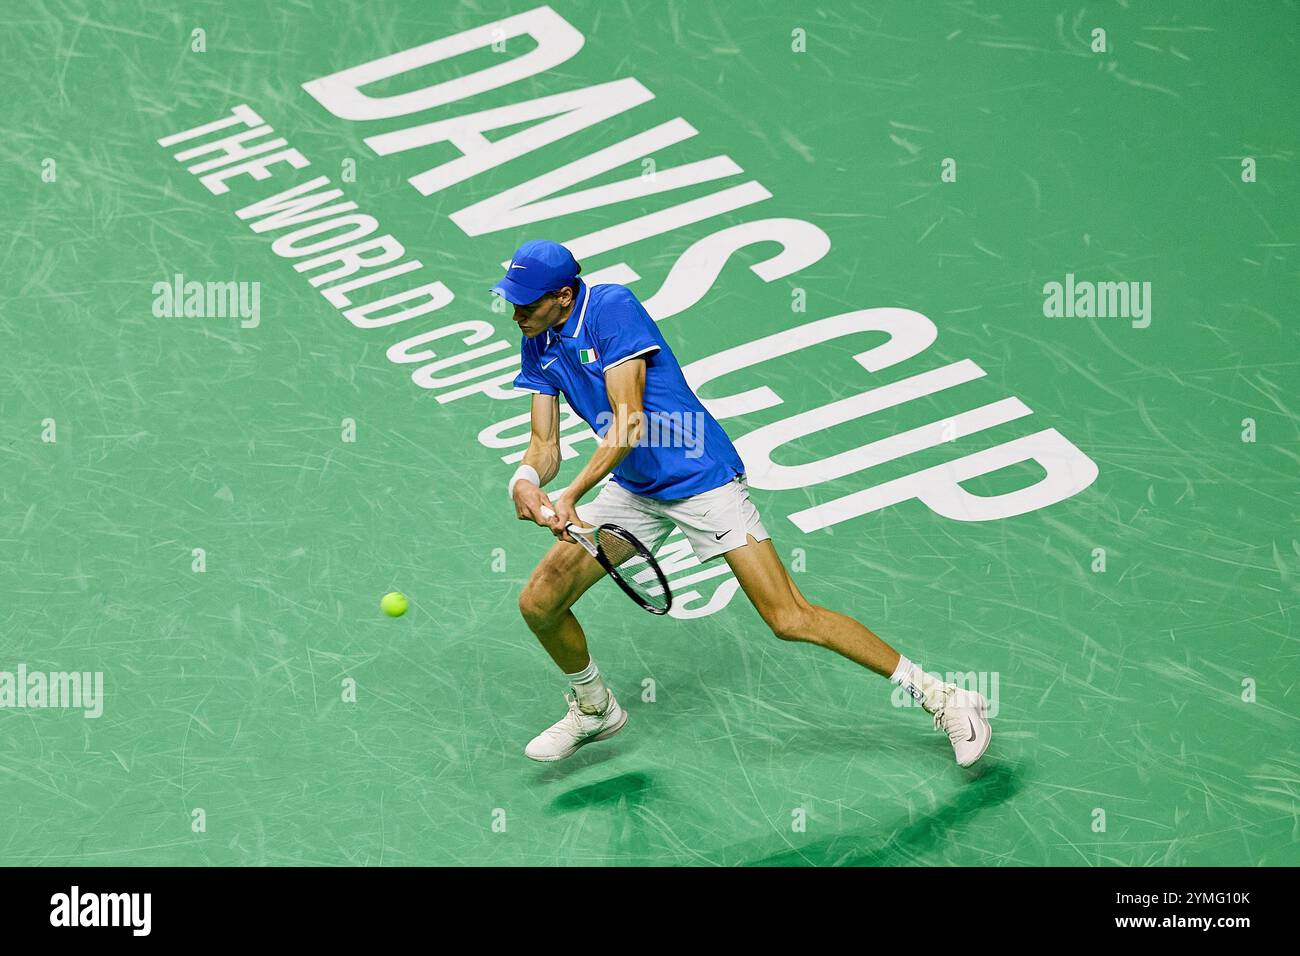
x,y
536,317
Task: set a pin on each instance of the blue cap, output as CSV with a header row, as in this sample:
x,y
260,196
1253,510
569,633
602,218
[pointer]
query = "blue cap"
x,y
537,267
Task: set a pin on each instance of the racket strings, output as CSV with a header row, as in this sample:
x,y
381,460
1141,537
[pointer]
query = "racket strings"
x,y
633,567
616,548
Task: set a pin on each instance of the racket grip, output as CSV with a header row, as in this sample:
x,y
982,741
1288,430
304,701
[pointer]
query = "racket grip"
x,y
548,514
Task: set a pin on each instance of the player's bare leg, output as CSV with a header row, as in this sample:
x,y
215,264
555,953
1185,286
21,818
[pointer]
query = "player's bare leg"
x,y
546,602
563,576
961,714
791,617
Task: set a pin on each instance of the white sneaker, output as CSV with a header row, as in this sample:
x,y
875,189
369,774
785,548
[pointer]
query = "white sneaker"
x,y
962,715
575,729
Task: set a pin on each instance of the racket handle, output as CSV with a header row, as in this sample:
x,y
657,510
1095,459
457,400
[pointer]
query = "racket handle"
x,y
548,514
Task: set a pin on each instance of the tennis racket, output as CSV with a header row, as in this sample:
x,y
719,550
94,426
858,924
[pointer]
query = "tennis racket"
x,y
626,560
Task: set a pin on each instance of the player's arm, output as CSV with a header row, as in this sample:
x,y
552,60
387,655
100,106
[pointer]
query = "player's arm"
x,y
542,458
543,452
625,386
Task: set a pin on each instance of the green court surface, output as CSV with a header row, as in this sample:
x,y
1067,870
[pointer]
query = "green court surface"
x,y
1138,636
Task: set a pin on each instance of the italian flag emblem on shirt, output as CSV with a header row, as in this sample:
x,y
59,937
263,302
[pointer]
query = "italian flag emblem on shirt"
x,y
586,356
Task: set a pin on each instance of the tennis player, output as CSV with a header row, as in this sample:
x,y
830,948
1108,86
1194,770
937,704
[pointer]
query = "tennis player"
x,y
599,347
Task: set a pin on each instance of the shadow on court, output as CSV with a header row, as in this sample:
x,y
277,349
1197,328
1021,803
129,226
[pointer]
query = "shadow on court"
x,y
888,846
624,795
630,788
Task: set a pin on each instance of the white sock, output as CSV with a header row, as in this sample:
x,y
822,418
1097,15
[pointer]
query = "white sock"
x,y
917,682
589,689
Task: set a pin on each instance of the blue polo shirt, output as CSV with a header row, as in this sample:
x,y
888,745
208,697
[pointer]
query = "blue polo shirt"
x,y
683,450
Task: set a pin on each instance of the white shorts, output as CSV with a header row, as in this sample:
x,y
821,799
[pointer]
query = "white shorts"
x,y
714,522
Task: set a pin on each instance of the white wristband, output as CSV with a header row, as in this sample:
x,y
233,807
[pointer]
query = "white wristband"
x,y
523,473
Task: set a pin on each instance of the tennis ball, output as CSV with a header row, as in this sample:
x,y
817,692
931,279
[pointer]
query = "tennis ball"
x,y
394,604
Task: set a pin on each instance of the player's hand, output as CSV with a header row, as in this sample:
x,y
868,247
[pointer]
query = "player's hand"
x,y
565,514
529,502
